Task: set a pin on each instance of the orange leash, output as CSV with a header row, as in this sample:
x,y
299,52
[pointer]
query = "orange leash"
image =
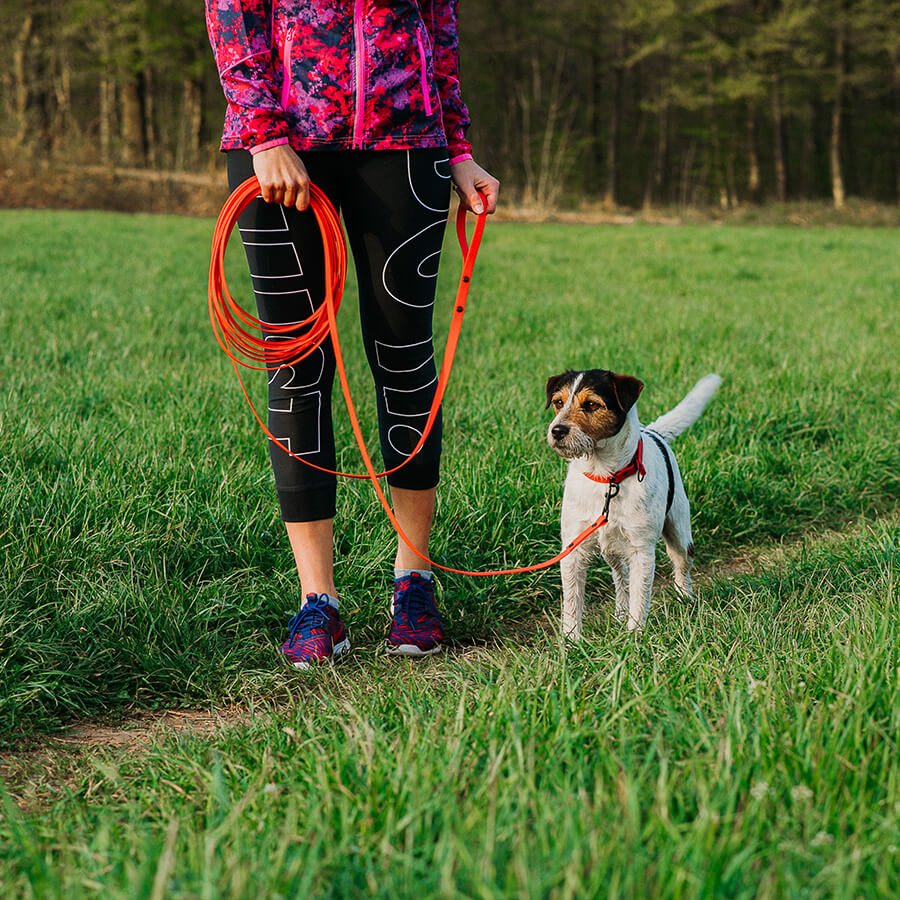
x,y
229,321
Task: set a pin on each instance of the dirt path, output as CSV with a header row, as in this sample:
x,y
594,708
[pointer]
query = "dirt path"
x,y
51,764
144,727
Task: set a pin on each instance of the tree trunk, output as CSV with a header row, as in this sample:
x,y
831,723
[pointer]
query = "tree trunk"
x,y
730,180
719,178
132,123
895,78
778,142
63,125
149,124
525,105
107,106
20,76
612,140
687,171
655,179
555,140
590,178
753,178
837,178
191,123
527,168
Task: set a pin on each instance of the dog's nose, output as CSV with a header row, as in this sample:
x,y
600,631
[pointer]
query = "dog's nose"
x,y
559,431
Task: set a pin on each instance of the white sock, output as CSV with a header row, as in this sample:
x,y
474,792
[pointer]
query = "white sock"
x,y
332,601
424,574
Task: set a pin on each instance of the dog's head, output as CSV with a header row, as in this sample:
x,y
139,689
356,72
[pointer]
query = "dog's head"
x,y
590,406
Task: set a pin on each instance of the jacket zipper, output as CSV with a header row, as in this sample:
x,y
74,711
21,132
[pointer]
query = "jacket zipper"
x,y
360,77
423,72
286,83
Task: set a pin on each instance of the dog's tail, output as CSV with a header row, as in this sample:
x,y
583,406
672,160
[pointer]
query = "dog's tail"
x,y
669,425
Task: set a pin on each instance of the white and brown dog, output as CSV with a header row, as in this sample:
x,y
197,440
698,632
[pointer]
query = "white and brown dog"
x,y
628,472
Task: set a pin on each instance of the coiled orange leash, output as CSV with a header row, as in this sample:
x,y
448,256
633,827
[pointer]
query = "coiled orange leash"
x,y
230,322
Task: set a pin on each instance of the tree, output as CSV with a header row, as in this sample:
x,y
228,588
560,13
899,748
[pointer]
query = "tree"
x,y
639,102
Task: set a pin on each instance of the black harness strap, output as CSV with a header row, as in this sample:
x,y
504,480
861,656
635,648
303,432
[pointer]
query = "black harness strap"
x,y
665,452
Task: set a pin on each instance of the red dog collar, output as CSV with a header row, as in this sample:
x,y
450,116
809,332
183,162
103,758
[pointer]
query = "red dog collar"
x,y
635,467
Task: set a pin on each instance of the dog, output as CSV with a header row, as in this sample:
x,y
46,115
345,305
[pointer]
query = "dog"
x,y
628,472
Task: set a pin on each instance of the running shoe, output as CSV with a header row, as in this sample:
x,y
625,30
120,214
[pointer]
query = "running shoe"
x,y
316,634
417,629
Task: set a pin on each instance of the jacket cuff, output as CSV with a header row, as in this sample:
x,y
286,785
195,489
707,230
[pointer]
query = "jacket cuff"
x,y
459,158
267,145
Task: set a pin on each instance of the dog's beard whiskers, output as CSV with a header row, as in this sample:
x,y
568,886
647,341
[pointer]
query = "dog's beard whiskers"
x,y
573,445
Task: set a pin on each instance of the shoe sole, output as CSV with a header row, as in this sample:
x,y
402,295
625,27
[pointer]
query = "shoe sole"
x,y
337,650
410,650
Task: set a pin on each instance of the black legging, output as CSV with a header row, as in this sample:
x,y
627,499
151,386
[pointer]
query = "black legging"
x,y
394,206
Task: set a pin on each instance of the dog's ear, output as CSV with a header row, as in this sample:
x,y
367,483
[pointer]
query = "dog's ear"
x,y
626,389
554,382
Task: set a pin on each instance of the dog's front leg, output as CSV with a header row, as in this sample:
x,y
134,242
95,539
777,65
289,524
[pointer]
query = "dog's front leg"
x,y
641,569
619,568
574,574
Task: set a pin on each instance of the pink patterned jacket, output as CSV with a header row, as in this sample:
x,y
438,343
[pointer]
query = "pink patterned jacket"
x,y
339,74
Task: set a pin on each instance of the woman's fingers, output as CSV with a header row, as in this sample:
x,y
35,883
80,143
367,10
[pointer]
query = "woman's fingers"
x,y
468,195
490,187
302,200
296,191
469,198
469,179
282,176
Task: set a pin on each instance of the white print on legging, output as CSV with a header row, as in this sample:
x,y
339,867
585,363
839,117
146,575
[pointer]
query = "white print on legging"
x,y
405,256
286,405
422,401
402,358
264,285
437,162
393,357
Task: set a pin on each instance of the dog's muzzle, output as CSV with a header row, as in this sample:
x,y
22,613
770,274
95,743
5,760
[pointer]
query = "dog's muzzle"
x,y
569,442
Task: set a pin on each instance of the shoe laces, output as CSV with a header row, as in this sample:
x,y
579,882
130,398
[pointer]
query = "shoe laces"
x,y
416,600
313,615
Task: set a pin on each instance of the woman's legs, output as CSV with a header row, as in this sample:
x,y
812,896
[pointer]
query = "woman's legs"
x,y
394,205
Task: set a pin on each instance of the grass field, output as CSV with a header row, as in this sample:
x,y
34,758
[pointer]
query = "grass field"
x,y
746,746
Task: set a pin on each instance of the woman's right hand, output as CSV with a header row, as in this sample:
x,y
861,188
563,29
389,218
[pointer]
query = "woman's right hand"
x,y
282,176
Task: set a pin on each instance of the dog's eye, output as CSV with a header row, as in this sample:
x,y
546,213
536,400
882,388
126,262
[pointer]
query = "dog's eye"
x,y
590,406
558,403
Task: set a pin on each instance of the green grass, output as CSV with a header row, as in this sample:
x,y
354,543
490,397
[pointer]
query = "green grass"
x,y
743,747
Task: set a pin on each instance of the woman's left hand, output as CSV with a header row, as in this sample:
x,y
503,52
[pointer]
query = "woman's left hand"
x,y
468,179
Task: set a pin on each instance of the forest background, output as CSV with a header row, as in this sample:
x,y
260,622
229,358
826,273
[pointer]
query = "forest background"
x,y
636,104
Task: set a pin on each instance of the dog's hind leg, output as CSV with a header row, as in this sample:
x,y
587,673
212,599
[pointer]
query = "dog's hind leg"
x,y
680,549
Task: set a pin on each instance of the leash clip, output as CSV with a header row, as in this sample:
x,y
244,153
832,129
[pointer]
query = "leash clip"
x,y
612,492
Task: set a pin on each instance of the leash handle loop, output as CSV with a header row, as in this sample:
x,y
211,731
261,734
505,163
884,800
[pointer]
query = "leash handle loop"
x,y
461,228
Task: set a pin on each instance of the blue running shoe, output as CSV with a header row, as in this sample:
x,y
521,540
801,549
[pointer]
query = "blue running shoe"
x,y
417,629
316,634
